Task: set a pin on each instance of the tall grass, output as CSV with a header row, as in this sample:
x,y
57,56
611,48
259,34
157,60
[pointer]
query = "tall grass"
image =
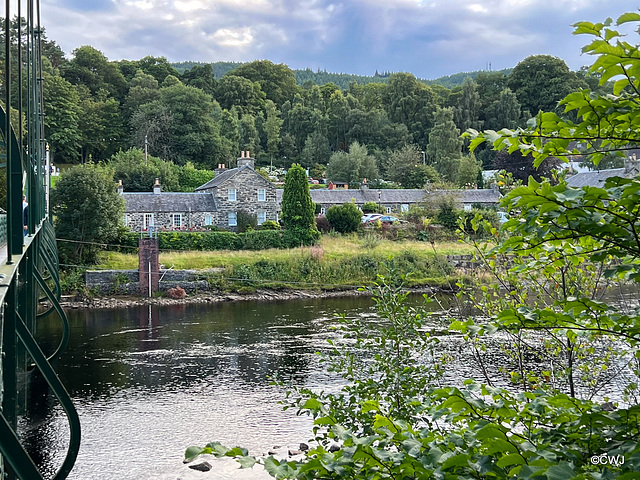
x,y
335,262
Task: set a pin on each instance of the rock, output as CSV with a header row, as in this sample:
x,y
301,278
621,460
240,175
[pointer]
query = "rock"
x,y
201,467
334,448
272,452
608,407
304,447
294,452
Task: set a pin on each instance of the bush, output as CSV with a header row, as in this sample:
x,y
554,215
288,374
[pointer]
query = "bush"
x,y
344,218
246,221
372,207
479,218
323,224
297,236
260,240
448,215
269,225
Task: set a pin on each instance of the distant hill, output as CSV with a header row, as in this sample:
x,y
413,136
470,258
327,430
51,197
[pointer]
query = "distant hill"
x,y
219,68
342,80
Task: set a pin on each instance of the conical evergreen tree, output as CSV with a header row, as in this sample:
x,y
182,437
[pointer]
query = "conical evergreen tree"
x,y
445,145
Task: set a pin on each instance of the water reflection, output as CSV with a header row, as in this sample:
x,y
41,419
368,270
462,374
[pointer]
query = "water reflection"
x,y
150,381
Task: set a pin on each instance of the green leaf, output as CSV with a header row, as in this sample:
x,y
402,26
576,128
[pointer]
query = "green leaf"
x,y
459,460
192,452
247,462
511,459
560,472
628,17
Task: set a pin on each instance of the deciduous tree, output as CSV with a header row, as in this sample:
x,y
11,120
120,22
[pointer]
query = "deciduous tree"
x,y
87,211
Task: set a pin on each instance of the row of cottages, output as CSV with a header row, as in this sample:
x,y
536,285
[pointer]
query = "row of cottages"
x,y
241,189
396,201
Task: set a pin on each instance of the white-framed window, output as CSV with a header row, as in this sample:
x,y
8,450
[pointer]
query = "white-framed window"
x,y
404,207
323,210
177,220
208,220
262,217
231,195
467,207
126,219
389,210
262,194
148,220
233,219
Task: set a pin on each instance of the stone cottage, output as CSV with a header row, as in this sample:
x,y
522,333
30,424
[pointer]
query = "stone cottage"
x,y
216,203
241,189
159,210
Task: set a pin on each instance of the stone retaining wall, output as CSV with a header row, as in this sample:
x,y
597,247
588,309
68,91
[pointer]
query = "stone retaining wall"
x,y
126,281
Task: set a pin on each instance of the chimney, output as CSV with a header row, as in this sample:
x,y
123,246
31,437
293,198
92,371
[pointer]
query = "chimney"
x,y
245,160
221,169
156,187
331,186
364,185
120,188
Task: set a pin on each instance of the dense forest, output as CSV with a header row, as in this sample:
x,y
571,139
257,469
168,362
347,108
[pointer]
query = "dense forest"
x,y
389,126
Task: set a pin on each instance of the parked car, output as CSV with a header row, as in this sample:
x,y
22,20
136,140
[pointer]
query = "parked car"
x,y
389,219
371,217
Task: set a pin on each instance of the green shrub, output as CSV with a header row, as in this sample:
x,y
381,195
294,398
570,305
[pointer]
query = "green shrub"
x,y
479,217
269,225
246,221
344,218
260,240
371,207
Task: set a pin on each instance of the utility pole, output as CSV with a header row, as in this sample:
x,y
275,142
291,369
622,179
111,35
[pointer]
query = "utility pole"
x,y
146,150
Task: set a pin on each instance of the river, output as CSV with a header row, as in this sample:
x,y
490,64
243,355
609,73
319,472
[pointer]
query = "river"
x,y
149,382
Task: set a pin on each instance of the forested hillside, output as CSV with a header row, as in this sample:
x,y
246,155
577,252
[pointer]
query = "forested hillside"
x,y
389,126
343,80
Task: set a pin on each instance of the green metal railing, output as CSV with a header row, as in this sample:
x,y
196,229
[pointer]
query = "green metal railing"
x,y
29,281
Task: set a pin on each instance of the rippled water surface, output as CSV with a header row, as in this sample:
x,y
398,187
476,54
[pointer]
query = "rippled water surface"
x,y
150,382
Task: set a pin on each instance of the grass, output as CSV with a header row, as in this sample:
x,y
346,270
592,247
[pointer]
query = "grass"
x,y
333,249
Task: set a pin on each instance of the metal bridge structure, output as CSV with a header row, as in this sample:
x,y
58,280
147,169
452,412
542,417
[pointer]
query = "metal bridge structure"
x,y
29,279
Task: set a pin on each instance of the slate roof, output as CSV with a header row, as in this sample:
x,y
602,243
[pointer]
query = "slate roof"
x,y
325,196
220,178
140,202
595,178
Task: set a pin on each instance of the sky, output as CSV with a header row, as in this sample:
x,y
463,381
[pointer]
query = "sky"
x,y
430,38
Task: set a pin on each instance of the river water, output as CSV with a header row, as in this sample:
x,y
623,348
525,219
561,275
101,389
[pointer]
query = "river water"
x,y
149,382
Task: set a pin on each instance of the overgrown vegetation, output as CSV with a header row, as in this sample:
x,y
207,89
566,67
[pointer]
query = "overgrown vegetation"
x,y
564,405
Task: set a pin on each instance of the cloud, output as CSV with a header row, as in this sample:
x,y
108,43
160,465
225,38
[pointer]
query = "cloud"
x,y
427,37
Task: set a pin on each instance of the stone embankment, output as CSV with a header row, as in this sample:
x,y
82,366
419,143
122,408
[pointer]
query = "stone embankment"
x,y
120,288
122,301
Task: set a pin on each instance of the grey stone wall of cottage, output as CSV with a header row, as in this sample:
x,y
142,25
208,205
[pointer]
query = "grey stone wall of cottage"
x,y
164,220
246,184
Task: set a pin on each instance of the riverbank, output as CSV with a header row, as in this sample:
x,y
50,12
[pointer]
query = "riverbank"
x,y
263,295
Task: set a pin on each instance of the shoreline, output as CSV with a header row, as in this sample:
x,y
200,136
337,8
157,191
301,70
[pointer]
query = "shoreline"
x,y
262,295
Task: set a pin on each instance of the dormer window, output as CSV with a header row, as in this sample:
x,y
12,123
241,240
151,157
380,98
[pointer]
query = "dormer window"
x,y
231,195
